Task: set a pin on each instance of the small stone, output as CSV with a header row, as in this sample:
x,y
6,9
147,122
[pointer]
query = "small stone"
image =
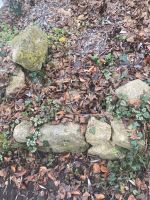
x,y
22,131
120,135
106,150
97,131
17,83
133,90
29,48
63,137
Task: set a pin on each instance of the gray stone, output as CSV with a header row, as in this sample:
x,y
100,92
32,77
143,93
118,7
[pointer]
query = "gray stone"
x,y
97,131
106,150
120,135
29,48
22,131
63,137
133,90
17,83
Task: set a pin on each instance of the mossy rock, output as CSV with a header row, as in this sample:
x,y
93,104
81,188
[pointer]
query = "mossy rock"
x,y
29,48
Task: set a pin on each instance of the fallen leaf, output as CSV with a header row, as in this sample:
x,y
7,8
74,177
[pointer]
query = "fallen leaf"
x,y
43,170
131,197
7,159
3,173
64,157
86,195
13,168
118,196
83,177
75,193
96,168
138,183
104,169
100,196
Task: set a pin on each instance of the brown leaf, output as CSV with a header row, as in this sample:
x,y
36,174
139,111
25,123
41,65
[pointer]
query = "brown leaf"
x,y
104,169
13,168
43,170
51,176
7,159
83,177
138,183
131,197
100,196
64,157
135,102
96,168
21,173
62,113
3,173
75,193
118,196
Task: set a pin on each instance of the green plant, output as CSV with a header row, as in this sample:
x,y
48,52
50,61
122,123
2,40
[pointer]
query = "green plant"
x,y
6,33
121,108
32,141
57,36
121,37
107,74
95,59
134,159
15,7
109,59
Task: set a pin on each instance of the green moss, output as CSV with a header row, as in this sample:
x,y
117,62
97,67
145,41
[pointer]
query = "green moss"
x,y
29,48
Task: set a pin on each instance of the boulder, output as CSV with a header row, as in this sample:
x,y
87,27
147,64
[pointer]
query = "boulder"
x,y
22,131
63,137
97,131
29,48
106,150
17,83
120,135
133,90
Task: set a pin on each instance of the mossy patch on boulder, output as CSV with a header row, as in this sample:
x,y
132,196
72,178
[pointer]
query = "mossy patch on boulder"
x,y
29,48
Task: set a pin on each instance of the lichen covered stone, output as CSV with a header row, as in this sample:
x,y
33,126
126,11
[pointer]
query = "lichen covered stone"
x,y
97,131
16,84
22,131
29,48
106,150
63,137
133,90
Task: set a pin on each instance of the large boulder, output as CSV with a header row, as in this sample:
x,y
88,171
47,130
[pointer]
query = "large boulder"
x,y
133,90
63,137
17,83
22,131
29,48
97,131
106,150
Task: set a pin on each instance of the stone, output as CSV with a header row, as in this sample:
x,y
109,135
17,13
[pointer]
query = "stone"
x,y
22,131
29,48
63,137
106,150
97,131
133,90
16,84
120,135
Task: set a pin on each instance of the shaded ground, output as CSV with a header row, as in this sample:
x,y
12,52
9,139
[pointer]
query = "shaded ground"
x,y
118,33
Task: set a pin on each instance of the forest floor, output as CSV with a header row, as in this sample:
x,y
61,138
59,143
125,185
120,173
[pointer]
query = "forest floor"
x,y
95,46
